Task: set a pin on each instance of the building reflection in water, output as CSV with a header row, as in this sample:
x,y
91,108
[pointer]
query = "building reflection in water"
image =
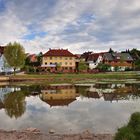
x,y
111,92
12,99
59,95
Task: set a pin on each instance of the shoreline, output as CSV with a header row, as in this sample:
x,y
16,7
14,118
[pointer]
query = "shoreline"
x,y
35,134
71,78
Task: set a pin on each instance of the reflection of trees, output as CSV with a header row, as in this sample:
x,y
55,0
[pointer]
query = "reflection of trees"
x,y
29,90
14,103
82,90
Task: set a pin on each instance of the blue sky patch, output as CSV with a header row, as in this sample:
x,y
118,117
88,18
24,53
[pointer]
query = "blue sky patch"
x,y
86,18
2,5
32,35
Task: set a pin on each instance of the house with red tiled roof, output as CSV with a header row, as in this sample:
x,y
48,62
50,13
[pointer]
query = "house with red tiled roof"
x,y
94,59
32,58
61,60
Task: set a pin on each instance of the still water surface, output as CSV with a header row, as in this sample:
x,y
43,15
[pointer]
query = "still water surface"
x,y
100,108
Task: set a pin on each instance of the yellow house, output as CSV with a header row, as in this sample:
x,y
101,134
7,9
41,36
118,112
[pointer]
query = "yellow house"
x,y
59,60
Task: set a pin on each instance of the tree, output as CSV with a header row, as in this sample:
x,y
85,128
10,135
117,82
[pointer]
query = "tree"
x,y
82,66
15,55
116,68
110,50
15,104
39,58
104,67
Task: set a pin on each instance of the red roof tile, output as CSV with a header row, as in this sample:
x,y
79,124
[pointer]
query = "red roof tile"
x,y
58,52
33,57
94,56
59,102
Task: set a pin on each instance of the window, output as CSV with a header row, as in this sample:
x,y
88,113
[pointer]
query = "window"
x,y
50,58
66,63
70,58
50,63
45,63
66,58
70,63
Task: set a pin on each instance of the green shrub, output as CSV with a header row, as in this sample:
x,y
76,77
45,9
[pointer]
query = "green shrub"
x,y
104,67
125,133
134,123
132,130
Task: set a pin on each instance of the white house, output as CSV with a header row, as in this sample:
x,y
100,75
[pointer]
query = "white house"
x,y
94,59
3,64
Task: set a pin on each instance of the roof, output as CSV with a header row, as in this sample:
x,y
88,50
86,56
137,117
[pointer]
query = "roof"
x,y
108,56
78,56
91,94
59,102
109,96
94,56
118,56
126,57
59,52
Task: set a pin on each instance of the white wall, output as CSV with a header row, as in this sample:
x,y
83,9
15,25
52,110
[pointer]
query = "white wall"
x,y
93,65
3,68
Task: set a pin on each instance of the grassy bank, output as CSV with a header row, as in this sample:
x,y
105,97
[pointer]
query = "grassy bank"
x,y
73,78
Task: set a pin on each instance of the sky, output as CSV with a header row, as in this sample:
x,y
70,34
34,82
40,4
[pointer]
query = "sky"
x,y
77,25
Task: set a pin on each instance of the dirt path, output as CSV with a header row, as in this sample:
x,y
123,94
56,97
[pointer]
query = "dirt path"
x,y
34,134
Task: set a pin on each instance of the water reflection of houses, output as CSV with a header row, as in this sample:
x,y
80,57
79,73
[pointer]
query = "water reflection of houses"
x,y
93,94
59,95
5,90
112,92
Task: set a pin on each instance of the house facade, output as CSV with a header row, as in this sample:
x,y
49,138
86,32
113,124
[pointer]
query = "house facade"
x,y
3,64
94,59
1,59
121,61
58,60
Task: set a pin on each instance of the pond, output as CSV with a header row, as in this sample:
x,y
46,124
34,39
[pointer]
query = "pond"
x,y
99,108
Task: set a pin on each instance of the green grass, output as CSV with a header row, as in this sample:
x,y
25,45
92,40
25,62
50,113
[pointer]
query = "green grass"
x,y
72,78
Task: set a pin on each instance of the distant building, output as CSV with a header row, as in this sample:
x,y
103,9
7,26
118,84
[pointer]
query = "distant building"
x,y
59,60
3,64
120,60
85,56
94,59
1,59
32,58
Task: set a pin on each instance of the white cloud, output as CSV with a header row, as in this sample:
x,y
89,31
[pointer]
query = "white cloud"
x,y
76,25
